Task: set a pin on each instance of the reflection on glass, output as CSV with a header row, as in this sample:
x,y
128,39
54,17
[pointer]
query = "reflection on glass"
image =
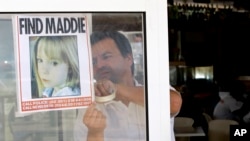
x,y
55,125
136,41
7,63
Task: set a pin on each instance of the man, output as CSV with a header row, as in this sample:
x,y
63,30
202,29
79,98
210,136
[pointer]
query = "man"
x,y
122,119
230,104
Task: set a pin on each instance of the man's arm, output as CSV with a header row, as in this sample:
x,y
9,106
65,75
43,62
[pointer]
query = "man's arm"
x,y
128,94
175,102
135,94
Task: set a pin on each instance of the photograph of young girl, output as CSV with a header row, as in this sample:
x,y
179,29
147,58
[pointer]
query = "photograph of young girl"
x,y
54,66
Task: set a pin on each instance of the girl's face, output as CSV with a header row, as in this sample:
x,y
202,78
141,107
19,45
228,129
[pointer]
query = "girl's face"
x,y
52,72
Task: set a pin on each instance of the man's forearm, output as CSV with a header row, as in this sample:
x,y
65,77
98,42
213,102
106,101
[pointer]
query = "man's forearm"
x,y
131,94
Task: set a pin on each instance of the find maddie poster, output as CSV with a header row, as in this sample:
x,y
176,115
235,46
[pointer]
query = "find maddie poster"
x,y
53,61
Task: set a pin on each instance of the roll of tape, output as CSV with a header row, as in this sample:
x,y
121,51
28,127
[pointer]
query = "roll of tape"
x,y
107,98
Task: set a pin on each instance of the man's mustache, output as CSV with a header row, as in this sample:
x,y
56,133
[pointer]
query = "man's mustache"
x,y
103,69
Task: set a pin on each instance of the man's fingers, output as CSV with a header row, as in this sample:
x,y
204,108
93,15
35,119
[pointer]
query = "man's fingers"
x,y
94,118
100,89
104,88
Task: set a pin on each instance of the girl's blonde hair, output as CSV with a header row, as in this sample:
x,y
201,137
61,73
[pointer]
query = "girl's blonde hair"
x,y
62,48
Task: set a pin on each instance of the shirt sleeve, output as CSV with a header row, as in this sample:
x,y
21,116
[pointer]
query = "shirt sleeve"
x,y
172,88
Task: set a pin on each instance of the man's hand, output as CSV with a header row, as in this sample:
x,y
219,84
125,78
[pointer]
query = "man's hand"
x,y
95,120
104,87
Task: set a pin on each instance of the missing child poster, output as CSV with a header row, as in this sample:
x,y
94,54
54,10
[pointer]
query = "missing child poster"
x,y
53,62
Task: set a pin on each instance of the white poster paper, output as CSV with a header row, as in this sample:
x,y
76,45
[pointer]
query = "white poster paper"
x,y
53,61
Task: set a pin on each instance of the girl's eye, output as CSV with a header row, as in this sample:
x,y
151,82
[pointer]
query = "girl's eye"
x,y
54,63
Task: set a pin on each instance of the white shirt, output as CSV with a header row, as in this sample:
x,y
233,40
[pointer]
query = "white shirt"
x,y
172,129
225,107
124,123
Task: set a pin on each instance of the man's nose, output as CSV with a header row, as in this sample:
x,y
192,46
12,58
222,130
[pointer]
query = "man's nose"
x,y
100,63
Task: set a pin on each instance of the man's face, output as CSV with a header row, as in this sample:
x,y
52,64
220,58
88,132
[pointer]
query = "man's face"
x,y
108,62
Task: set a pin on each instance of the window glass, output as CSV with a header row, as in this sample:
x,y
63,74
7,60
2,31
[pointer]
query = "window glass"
x,y
59,125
